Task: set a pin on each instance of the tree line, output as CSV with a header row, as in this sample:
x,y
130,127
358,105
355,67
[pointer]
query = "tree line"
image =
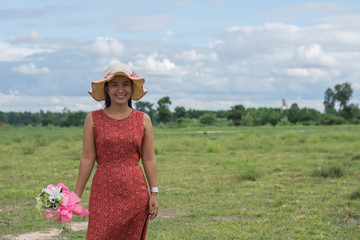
x,y
238,115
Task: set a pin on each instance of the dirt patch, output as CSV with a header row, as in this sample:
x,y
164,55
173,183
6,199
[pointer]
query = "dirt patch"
x,y
48,234
166,213
5,222
10,208
225,218
200,132
232,218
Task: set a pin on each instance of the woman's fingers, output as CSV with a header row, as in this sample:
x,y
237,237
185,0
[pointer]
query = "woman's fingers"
x,y
153,209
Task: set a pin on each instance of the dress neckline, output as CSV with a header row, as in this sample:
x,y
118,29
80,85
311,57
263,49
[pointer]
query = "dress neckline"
x,y
132,110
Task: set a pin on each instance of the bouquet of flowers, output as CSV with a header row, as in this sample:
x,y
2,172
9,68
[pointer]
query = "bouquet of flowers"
x,y
59,204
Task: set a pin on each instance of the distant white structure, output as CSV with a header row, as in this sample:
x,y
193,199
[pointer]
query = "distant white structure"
x,y
284,105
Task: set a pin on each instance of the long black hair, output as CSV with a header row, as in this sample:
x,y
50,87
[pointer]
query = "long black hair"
x,y
107,97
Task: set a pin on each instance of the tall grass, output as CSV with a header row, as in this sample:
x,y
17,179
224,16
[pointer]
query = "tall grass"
x,y
290,182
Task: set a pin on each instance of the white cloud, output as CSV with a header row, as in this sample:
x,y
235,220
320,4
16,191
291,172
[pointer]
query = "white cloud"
x,y
142,23
11,53
29,69
313,56
104,46
216,42
155,64
316,7
168,35
194,56
246,41
250,65
37,40
309,74
13,102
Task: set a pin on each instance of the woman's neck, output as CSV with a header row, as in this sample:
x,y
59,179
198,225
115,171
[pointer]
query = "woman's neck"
x,y
118,109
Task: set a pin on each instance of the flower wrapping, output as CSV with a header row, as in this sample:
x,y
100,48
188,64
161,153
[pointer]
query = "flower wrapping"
x,y
59,204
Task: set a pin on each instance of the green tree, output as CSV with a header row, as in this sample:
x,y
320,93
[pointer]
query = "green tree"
x,y
208,119
146,107
236,114
343,93
293,113
164,113
76,118
329,101
350,112
180,112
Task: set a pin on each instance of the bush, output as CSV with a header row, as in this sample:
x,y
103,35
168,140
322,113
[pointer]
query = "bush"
x,y
17,139
249,173
309,123
46,121
213,148
356,157
208,119
157,150
283,122
247,120
331,171
356,194
28,148
330,119
42,141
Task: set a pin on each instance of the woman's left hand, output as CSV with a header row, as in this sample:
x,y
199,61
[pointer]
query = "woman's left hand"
x,y
153,206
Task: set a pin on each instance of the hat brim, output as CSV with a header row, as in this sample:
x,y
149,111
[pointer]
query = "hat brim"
x,y
97,87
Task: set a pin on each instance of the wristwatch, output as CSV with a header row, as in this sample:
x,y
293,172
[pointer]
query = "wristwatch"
x,y
154,190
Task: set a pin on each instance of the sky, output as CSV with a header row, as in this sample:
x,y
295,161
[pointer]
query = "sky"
x,y
207,55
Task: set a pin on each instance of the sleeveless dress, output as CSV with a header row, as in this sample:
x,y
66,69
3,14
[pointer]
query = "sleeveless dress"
x,y
119,194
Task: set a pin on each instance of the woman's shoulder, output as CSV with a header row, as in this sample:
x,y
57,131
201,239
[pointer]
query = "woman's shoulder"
x,y
137,112
95,112
142,114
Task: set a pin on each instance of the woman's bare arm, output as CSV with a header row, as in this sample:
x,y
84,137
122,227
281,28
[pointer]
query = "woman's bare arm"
x,y
88,155
149,163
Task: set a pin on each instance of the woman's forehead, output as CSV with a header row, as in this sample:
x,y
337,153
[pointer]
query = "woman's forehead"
x,y
120,79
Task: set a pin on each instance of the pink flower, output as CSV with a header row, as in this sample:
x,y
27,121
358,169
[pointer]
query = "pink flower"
x,y
65,189
65,213
134,75
69,207
109,75
51,214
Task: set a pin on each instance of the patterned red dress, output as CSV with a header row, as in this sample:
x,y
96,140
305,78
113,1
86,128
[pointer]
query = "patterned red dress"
x,y
119,195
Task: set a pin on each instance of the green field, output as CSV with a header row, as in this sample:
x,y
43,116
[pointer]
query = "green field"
x,y
215,182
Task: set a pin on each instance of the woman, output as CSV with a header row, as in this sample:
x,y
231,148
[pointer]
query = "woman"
x,y
116,137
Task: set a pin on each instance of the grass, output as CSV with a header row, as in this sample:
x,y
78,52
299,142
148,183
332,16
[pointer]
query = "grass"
x,y
332,171
289,182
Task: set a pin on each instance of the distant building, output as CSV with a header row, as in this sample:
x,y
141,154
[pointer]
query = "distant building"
x,y
284,105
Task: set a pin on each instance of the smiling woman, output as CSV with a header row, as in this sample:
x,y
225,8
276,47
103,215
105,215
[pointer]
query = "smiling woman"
x,y
116,137
121,86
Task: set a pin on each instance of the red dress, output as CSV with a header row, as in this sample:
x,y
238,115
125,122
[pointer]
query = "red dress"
x,y
119,195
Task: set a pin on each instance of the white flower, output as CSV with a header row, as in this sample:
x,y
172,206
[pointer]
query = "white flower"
x,y
54,193
47,204
52,199
55,206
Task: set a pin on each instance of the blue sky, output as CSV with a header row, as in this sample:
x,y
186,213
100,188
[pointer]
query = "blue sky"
x,y
202,54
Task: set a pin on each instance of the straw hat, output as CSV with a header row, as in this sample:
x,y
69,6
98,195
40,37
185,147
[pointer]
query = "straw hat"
x,y
116,69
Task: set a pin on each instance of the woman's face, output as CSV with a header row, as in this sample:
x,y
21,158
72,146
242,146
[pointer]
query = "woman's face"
x,y
119,90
